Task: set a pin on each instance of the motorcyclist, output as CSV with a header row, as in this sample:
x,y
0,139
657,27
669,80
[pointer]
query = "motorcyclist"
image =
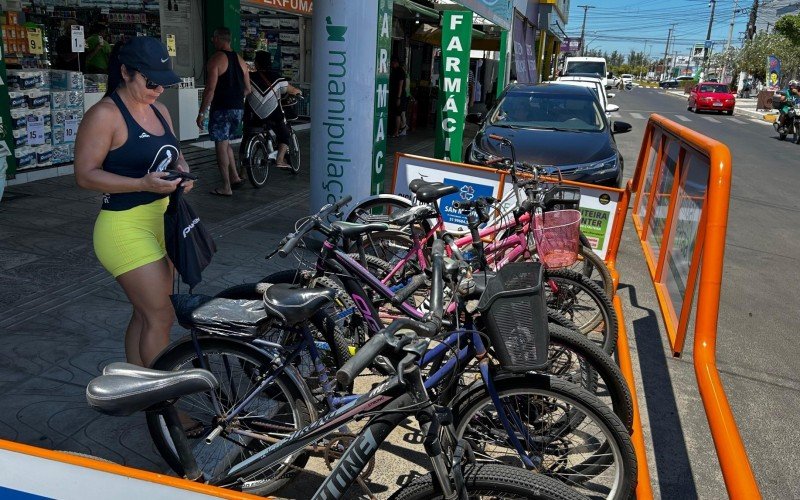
x,y
788,96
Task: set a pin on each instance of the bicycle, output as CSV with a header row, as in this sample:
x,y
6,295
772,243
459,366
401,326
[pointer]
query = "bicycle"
x,y
260,151
125,389
266,369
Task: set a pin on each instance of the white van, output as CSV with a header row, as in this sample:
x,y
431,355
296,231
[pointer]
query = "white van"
x,y
586,66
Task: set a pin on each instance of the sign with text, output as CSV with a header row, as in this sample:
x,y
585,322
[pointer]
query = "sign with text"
x,y
71,129
382,95
452,103
35,44
78,39
35,130
471,181
520,56
302,7
345,57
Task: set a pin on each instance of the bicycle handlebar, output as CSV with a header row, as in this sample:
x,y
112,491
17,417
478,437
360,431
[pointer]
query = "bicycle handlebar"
x,y
292,239
390,338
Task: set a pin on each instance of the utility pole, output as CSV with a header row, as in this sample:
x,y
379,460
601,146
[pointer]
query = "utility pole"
x,y
666,51
708,37
583,26
730,38
751,23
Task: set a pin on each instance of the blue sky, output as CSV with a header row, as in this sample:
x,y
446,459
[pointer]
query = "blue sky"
x,y
630,24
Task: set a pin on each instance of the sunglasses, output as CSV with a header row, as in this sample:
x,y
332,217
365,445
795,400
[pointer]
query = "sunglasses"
x,y
150,84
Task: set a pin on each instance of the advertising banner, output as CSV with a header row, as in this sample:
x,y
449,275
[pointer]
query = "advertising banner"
x,y
530,53
773,72
344,56
302,7
520,55
499,12
452,103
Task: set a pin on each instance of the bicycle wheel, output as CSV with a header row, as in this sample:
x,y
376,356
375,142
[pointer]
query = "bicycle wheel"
x,y
390,246
294,153
258,163
492,481
567,433
577,359
276,411
584,303
590,265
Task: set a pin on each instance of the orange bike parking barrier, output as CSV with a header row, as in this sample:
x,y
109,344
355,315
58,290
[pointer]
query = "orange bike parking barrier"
x,y
681,193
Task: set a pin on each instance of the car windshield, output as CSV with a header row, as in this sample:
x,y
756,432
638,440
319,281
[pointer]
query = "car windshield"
x,y
586,67
716,89
579,113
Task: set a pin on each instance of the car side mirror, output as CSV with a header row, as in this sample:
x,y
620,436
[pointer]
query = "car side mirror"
x,y
611,96
612,108
476,118
621,127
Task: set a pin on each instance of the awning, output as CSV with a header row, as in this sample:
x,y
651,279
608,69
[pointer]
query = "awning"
x,y
430,14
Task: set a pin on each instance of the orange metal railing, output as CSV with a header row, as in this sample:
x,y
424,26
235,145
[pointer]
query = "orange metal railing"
x,y
680,211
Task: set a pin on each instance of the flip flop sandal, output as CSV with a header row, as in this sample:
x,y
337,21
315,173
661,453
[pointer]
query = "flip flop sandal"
x,y
216,192
283,165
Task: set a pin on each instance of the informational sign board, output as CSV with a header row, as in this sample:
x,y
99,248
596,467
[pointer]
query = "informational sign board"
x,y
472,182
383,93
71,129
171,45
78,40
35,130
497,11
35,44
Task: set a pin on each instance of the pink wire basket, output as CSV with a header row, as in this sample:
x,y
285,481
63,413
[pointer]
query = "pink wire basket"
x,y
557,237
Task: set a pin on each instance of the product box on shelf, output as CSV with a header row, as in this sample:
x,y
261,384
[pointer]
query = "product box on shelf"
x,y
26,79
291,24
67,99
18,100
66,80
63,153
44,155
25,157
19,119
38,99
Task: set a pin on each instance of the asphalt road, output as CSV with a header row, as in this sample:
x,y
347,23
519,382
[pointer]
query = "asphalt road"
x,y
758,355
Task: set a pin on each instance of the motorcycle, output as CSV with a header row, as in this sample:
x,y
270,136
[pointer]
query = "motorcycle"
x,y
791,124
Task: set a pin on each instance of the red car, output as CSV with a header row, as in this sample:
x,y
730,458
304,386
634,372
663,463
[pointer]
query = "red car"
x,y
711,96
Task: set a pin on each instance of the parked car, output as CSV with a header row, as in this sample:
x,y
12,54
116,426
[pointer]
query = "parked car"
x,y
670,83
594,83
711,96
626,79
556,125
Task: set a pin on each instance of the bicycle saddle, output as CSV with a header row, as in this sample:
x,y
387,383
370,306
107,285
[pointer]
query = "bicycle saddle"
x,y
416,184
406,216
351,229
229,317
294,305
432,192
127,389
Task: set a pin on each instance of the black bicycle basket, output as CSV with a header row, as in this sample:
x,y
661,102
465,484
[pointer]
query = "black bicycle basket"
x,y
514,314
291,107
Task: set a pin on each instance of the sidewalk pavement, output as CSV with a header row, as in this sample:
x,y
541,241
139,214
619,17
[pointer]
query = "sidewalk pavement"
x,y
62,316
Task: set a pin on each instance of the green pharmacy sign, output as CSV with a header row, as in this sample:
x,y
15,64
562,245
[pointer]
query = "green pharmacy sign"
x,y
453,83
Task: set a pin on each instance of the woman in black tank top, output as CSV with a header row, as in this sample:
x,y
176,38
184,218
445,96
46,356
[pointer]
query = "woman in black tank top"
x,y
123,145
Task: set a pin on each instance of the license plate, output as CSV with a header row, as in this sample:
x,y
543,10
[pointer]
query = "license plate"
x,y
718,104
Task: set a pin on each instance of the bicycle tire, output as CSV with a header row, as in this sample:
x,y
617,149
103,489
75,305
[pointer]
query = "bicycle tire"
x,y
499,481
294,152
590,265
258,163
390,246
182,354
584,303
602,368
552,450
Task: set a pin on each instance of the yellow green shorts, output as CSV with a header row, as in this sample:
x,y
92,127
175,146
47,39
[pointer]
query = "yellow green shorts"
x,y
127,239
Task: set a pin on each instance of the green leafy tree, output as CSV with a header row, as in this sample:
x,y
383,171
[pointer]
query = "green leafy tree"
x,y
752,58
789,27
